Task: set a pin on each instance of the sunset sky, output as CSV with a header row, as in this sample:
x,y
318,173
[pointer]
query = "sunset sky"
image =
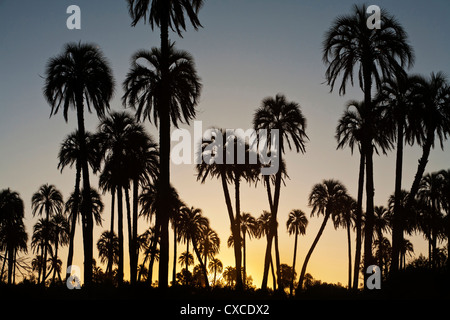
x,y
247,50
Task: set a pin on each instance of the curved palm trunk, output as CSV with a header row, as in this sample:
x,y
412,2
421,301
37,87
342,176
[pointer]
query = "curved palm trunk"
x,y
237,234
359,221
308,256
397,230
76,195
268,254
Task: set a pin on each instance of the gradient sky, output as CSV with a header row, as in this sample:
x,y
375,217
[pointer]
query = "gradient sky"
x,y
247,50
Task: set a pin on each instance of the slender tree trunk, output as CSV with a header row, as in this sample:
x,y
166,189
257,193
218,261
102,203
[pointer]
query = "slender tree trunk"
x,y
349,256
245,262
56,258
268,254
276,200
130,233
120,234
76,198
86,206
308,255
291,287
359,221
134,248
174,269
45,245
10,251
397,230
110,253
237,234
164,144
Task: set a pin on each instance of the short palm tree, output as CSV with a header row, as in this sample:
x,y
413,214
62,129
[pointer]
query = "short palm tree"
x,y
248,227
325,198
108,250
48,200
60,236
375,54
215,266
13,237
79,75
286,117
296,224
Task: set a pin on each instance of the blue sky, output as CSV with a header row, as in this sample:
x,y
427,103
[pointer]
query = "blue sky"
x,y
247,50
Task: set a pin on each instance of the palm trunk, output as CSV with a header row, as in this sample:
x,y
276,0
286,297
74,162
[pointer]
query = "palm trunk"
x,y
134,249
174,269
359,221
203,267
120,234
245,262
164,144
349,255
237,234
291,287
110,256
308,255
86,207
397,230
76,196
56,258
268,254
130,233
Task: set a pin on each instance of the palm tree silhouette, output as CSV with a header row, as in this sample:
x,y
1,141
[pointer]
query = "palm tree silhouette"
x,y
108,250
434,103
215,266
399,96
325,198
381,224
60,236
70,154
285,116
193,224
13,236
80,74
264,224
379,54
209,244
48,200
167,14
296,224
248,227
229,173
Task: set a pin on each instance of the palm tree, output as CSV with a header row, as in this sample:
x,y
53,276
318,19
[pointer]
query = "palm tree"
x,y
349,131
187,259
47,199
70,154
209,244
192,225
60,236
248,227
13,236
264,224
434,103
445,198
378,54
216,266
399,96
108,250
41,232
129,154
286,117
168,14
381,224
325,198
80,74
296,224
229,173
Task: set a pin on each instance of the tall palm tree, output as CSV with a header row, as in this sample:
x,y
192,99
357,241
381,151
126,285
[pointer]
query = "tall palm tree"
x,y
167,14
296,224
399,97
325,198
48,200
248,227
229,173
434,103
376,54
13,236
349,132
79,75
287,118
215,266
69,154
